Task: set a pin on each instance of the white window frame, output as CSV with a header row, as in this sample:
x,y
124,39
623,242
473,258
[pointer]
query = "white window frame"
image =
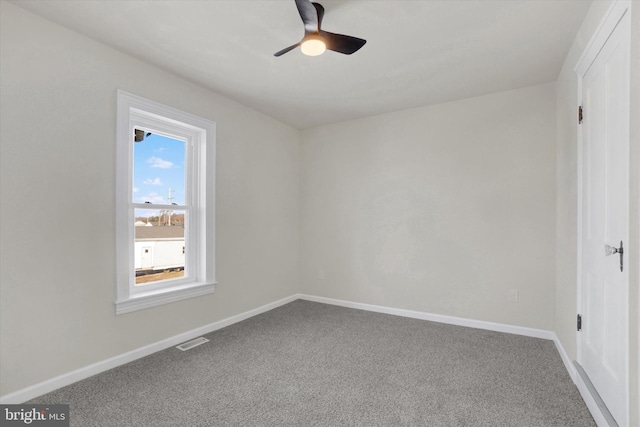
x,y
199,135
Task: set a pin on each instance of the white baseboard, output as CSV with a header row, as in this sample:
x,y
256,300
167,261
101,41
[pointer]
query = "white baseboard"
x,y
47,386
591,405
597,412
571,369
459,321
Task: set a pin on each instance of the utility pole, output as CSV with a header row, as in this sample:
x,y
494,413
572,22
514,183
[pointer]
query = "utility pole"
x,y
170,199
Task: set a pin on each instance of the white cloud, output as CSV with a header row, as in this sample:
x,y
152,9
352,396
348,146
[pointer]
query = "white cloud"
x,y
157,162
136,189
149,181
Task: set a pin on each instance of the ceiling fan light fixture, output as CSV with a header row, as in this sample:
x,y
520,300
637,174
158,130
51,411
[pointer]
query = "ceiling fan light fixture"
x,y
313,46
316,41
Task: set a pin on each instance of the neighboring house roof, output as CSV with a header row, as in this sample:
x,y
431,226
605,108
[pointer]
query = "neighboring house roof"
x,y
162,232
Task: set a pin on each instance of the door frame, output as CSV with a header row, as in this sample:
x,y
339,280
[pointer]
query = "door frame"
x,y
617,11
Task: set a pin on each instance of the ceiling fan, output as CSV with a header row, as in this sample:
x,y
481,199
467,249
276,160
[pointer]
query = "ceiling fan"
x,y
316,40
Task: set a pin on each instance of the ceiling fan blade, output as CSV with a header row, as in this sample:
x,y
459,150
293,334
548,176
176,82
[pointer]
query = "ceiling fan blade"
x,y
286,49
309,15
341,43
320,13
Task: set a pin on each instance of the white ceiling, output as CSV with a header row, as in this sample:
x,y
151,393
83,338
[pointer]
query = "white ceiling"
x,y
417,52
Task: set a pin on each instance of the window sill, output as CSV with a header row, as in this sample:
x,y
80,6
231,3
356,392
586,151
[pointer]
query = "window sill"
x,y
165,296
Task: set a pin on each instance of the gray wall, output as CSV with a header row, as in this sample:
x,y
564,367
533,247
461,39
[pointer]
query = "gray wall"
x,y
441,209
57,138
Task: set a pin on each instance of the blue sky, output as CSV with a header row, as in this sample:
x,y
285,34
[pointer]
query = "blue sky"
x,y
158,163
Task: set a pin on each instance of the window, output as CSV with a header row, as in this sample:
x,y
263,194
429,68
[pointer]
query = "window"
x,y
165,195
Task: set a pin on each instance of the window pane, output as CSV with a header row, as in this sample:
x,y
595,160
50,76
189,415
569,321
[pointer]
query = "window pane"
x,y
158,169
159,245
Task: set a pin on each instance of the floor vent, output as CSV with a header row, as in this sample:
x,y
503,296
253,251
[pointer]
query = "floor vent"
x,y
193,343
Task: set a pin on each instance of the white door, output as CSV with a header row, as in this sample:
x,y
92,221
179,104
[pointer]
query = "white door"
x,y
603,341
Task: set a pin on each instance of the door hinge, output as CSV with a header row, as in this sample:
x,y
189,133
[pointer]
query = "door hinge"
x,y
579,322
580,116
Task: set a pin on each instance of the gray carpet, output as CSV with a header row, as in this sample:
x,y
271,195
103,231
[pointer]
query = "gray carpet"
x,y
311,364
